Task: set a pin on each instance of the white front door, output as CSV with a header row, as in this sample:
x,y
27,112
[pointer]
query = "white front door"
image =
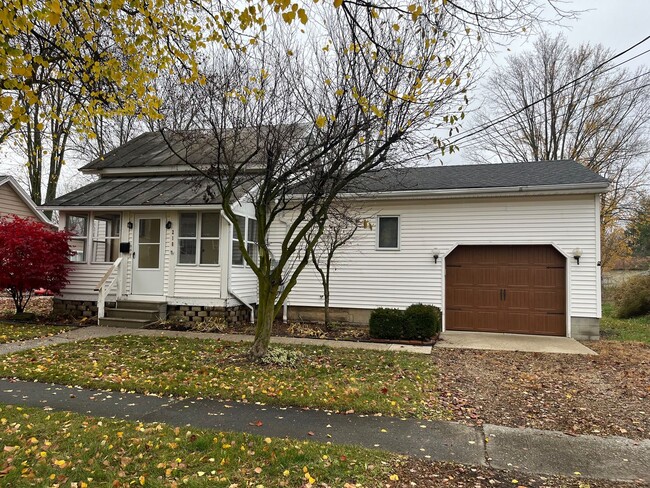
x,y
148,256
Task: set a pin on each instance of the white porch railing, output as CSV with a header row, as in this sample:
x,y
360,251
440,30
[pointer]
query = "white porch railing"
x,y
112,278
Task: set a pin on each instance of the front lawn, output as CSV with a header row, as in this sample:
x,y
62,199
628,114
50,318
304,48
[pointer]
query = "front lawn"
x,y
363,381
11,332
62,449
635,329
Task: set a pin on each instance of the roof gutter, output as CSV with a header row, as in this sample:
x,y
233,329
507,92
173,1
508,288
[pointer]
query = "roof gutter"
x,y
99,208
476,192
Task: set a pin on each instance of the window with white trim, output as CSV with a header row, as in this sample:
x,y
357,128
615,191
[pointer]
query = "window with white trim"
x,y
248,226
77,225
388,233
105,234
198,238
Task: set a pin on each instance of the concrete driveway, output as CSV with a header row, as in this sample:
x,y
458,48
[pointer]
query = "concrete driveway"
x,y
511,342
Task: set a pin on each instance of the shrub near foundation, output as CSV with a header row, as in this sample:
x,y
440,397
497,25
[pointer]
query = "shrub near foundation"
x,y
386,323
632,297
421,322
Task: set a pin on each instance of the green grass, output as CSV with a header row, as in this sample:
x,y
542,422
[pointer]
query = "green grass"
x,y
635,329
64,449
335,379
11,332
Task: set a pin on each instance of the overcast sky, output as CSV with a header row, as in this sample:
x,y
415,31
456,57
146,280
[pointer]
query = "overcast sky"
x,y
615,24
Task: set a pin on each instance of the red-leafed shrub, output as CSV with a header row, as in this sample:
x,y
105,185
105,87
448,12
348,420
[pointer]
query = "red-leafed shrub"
x,y
32,255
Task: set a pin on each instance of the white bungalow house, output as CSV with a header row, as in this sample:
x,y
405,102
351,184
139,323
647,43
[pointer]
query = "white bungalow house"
x,y
499,248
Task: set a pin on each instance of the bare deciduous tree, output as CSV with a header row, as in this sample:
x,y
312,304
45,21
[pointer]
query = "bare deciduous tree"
x,y
295,122
602,121
341,225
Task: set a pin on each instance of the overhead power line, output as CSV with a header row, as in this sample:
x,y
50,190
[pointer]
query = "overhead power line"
x,y
477,138
580,78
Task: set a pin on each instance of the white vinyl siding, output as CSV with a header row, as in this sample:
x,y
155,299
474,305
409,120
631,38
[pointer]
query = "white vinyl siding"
x,y
197,282
366,277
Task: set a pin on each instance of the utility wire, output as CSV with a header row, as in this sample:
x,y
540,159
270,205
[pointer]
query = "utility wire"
x,y
477,138
486,126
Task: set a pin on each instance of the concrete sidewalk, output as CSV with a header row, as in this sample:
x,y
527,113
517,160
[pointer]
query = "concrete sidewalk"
x,y
526,450
84,333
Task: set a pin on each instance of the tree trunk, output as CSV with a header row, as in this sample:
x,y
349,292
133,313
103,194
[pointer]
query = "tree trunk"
x,y
18,301
265,318
326,306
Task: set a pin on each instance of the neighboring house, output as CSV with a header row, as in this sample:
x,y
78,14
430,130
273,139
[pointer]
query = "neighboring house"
x,y
500,248
15,201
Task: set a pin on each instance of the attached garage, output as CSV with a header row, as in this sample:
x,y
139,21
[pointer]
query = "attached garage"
x,y
516,289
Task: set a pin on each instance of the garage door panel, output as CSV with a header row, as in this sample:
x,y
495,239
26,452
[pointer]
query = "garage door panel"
x,y
548,301
519,289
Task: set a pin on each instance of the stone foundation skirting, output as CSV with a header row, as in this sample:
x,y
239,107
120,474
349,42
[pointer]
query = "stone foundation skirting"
x,y
238,315
76,308
352,316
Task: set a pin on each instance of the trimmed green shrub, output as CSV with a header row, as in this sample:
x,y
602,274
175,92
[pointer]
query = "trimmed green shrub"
x,y
632,297
421,322
386,323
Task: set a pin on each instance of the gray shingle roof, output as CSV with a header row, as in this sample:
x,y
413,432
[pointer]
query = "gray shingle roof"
x,y
509,175
138,191
186,190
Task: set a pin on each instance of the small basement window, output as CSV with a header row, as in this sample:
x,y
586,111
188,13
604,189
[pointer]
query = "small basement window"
x,y
388,233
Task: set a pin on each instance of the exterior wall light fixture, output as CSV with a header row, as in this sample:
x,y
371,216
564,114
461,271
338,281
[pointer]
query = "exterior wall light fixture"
x,y
436,255
577,253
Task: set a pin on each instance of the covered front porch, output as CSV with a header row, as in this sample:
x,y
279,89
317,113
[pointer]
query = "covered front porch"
x,y
140,265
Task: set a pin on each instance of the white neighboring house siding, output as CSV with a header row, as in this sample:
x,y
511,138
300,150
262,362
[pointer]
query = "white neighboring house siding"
x,y
366,278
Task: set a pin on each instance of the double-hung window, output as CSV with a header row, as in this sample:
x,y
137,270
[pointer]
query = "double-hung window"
x,y
248,227
77,225
388,233
198,238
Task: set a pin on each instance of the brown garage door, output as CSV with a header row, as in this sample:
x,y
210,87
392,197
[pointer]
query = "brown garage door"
x,y
516,289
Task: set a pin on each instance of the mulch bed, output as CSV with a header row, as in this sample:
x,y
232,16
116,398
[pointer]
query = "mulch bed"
x,y
603,395
433,475
291,329
41,306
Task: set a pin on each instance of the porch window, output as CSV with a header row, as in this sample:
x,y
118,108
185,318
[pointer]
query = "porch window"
x,y
209,238
249,228
105,238
199,235
77,225
237,256
388,233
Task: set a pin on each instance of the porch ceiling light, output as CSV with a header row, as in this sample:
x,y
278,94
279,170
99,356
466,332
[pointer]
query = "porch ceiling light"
x,y
577,253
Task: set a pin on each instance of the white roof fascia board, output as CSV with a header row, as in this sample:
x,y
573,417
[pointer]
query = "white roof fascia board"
x,y
144,170
477,192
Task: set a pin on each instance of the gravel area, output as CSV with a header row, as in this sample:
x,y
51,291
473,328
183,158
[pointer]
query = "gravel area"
x,y
605,395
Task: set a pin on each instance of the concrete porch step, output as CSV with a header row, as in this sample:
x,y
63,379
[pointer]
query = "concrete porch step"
x,y
160,307
132,313
122,322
